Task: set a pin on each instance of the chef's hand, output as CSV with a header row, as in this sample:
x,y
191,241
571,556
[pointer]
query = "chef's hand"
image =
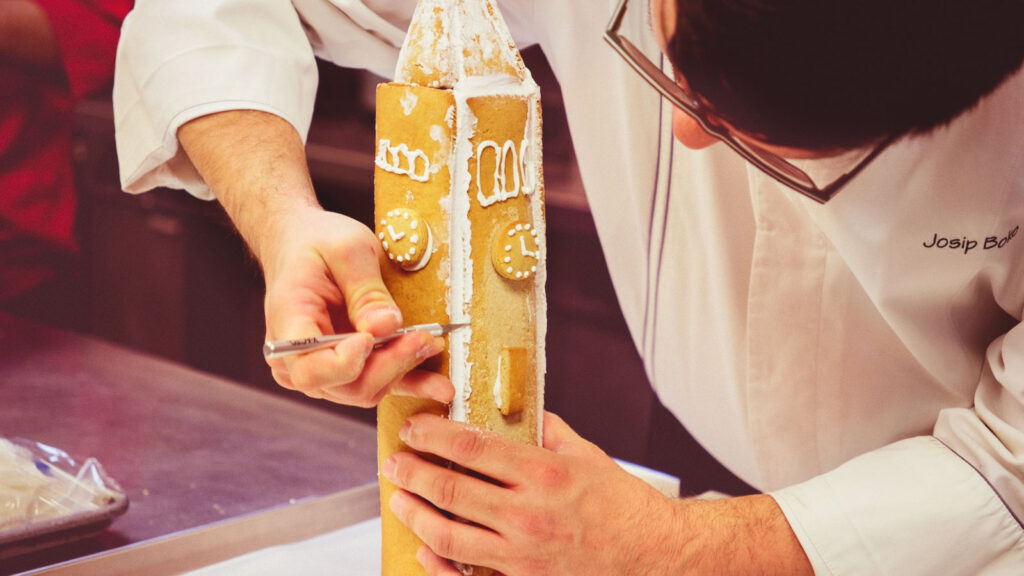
x,y
567,508
322,269
323,277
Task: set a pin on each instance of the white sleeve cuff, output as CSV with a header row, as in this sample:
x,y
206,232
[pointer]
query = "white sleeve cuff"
x,y
910,508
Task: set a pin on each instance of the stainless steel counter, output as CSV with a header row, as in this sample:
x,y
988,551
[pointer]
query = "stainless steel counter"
x,y
191,450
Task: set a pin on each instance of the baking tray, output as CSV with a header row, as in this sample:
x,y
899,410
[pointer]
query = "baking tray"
x,y
61,530
203,546
54,500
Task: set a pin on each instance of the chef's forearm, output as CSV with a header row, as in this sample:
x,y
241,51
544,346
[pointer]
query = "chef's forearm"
x,y
747,535
255,164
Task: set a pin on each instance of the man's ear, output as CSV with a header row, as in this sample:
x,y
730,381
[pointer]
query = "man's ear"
x,y
688,132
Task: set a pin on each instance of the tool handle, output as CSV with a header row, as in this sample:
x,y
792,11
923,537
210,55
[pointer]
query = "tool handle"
x,y
279,348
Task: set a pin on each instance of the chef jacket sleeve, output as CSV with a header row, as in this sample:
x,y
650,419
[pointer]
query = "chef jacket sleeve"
x,y
178,60
947,504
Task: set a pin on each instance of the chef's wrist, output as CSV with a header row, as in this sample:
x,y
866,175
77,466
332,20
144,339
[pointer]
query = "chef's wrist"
x,y
255,165
745,535
269,235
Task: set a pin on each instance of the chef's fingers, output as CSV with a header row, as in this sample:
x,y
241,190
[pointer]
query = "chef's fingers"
x,y
388,370
446,537
300,300
356,270
424,384
488,453
419,383
464,496
311,372
299,304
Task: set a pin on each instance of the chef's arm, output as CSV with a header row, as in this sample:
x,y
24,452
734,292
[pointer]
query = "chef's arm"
x,y
567,508
180,60
235,81
255,164
746,535
950,503
321,268
188,59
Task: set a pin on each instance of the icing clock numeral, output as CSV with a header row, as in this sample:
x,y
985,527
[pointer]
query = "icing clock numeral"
x,y
406,239
395,236
515,250
535,254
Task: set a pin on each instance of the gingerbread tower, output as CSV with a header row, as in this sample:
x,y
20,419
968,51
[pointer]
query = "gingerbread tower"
x,y
459,202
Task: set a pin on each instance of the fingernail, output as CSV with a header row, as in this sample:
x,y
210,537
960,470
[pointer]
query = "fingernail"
x,y
423,556
403,432
388,468
432,347
440,396
370,347
398,503
385,314
441,391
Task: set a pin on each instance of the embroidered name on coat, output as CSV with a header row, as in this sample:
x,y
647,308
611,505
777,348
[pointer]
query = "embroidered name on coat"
x,y
966,244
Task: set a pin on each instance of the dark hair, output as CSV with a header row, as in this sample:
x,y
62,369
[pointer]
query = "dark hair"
x,y
822,74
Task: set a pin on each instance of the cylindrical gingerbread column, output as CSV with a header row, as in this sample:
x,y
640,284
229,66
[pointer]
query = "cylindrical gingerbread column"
x,y
459,200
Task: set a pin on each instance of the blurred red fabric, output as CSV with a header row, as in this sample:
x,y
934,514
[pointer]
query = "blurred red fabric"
x,y
37,195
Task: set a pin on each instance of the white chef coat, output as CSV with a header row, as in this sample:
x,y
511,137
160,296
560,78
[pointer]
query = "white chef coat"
x,y
863,361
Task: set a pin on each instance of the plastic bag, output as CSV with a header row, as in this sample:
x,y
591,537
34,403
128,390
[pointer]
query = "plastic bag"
x,y
40,483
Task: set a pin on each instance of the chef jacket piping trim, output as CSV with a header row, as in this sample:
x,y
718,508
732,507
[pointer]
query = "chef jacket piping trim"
x,y
993,488
662,194
661,241
650,227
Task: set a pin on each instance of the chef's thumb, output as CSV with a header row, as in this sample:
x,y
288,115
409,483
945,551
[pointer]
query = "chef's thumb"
x,y
370,306
560,438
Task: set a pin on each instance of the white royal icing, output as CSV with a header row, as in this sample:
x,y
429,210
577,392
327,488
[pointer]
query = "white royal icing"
x,y
400,160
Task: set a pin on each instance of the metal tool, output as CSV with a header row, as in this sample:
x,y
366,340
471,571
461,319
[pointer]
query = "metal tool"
x,y
279,348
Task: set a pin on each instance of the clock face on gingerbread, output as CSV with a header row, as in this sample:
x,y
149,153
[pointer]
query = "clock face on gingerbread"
x,y
406,238
515,250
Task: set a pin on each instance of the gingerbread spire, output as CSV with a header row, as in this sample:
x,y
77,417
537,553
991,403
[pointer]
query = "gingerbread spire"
x,y
453,40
